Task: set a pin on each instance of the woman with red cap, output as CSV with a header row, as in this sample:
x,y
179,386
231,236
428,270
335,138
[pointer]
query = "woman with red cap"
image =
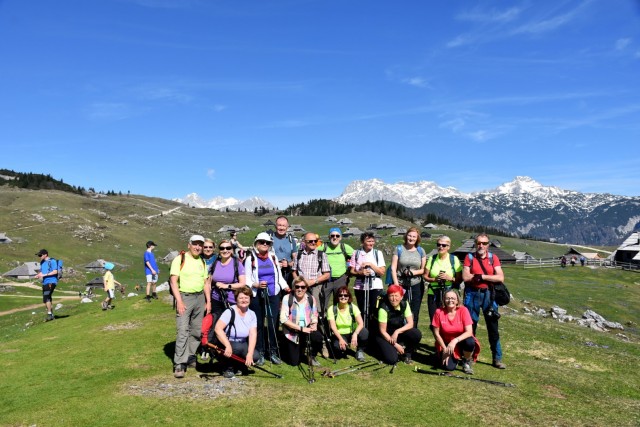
x,y
397,335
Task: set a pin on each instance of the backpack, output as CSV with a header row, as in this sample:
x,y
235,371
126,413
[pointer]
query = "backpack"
x,y
212,269
59,266
388,278
452,261
353,317
499,292
182,260
383,302
309,301
272,233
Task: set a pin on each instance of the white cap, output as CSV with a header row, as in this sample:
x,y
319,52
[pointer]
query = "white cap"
x,y
263,236
196,238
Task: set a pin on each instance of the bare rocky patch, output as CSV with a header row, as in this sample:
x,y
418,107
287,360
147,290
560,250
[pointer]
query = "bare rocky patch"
x,y
122,326
208,387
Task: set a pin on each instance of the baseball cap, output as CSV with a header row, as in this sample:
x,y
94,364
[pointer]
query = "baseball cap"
x,y
150,243
42,252
196,238
263,236
109,265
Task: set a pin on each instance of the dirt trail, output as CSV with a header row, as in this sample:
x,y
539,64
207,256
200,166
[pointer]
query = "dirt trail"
x,y
33,306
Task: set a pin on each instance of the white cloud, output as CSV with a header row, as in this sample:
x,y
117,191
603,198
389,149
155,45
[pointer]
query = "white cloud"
x,y
550,24
109,111
219,107
211,173
490,16
621,44
417,81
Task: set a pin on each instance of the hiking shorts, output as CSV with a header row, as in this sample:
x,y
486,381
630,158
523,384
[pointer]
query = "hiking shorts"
x,y
47,292
111,293
152,278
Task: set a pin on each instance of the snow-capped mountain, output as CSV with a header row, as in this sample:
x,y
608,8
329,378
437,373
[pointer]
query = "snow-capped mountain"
x,y
522,206
410,194
220,202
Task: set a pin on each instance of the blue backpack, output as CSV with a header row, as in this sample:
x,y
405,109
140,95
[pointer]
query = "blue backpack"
x,y
388,278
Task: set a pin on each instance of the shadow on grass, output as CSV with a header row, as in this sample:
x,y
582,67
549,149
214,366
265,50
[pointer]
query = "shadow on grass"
x,y
170,350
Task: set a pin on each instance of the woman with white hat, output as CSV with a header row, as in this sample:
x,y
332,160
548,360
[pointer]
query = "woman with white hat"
x,y
265,280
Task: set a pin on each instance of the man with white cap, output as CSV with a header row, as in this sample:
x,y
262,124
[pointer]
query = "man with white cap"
x,y
192,291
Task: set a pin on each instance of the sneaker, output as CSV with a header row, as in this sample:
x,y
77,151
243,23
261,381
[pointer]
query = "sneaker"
x,y
360,356
315,363
228,373
148,298
178,371
110,307
104,305
204,356
260,361
498,364
49,317
154,295
275,360
467,367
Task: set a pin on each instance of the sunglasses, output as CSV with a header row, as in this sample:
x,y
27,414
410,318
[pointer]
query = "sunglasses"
x,y
300,287
335,236
343,296
442,245
264,242
482,243
311,241
226,248
207,247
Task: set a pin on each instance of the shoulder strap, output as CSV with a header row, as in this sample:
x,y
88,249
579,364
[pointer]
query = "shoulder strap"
x,y
399,250
433,260
235,270
452,261
182,255
232,322
420,251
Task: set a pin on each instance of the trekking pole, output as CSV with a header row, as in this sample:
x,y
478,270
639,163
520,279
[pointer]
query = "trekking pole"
x,y
393,368
381,367
237,358
312,373
335,371
321,324
355,368
366,301
449,374
273,321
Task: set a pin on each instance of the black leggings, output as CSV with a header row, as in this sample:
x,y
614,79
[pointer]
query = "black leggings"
x,y
409,339
468,345
298,351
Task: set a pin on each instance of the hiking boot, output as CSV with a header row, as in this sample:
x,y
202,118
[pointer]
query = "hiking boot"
x,y
315,363
498,364
407,359
148,298
275,360
228,373
360,356
260,361
49,317
191,363
204,356
467,367
178,371
110,307
325,352
154,295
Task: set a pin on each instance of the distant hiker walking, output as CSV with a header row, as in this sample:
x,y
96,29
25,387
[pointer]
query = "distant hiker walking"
x,y
109,286
151,270
49,275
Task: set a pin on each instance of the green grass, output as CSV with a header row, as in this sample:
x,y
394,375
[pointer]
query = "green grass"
x,y
87,362
88,366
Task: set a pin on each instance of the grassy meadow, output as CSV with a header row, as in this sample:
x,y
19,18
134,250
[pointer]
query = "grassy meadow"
x,y
90,367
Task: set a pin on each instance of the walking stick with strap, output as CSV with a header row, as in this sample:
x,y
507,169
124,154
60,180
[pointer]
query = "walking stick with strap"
x,y
312,373
449,374
237,358
350,369
321,325
269,314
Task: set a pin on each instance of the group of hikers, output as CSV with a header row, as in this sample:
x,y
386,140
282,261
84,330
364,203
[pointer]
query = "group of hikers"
x,y
284,300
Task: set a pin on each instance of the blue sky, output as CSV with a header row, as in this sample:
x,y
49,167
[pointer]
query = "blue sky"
x,y
292,100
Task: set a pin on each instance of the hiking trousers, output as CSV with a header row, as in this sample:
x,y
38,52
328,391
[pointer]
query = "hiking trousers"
x,y
189,327
476,299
